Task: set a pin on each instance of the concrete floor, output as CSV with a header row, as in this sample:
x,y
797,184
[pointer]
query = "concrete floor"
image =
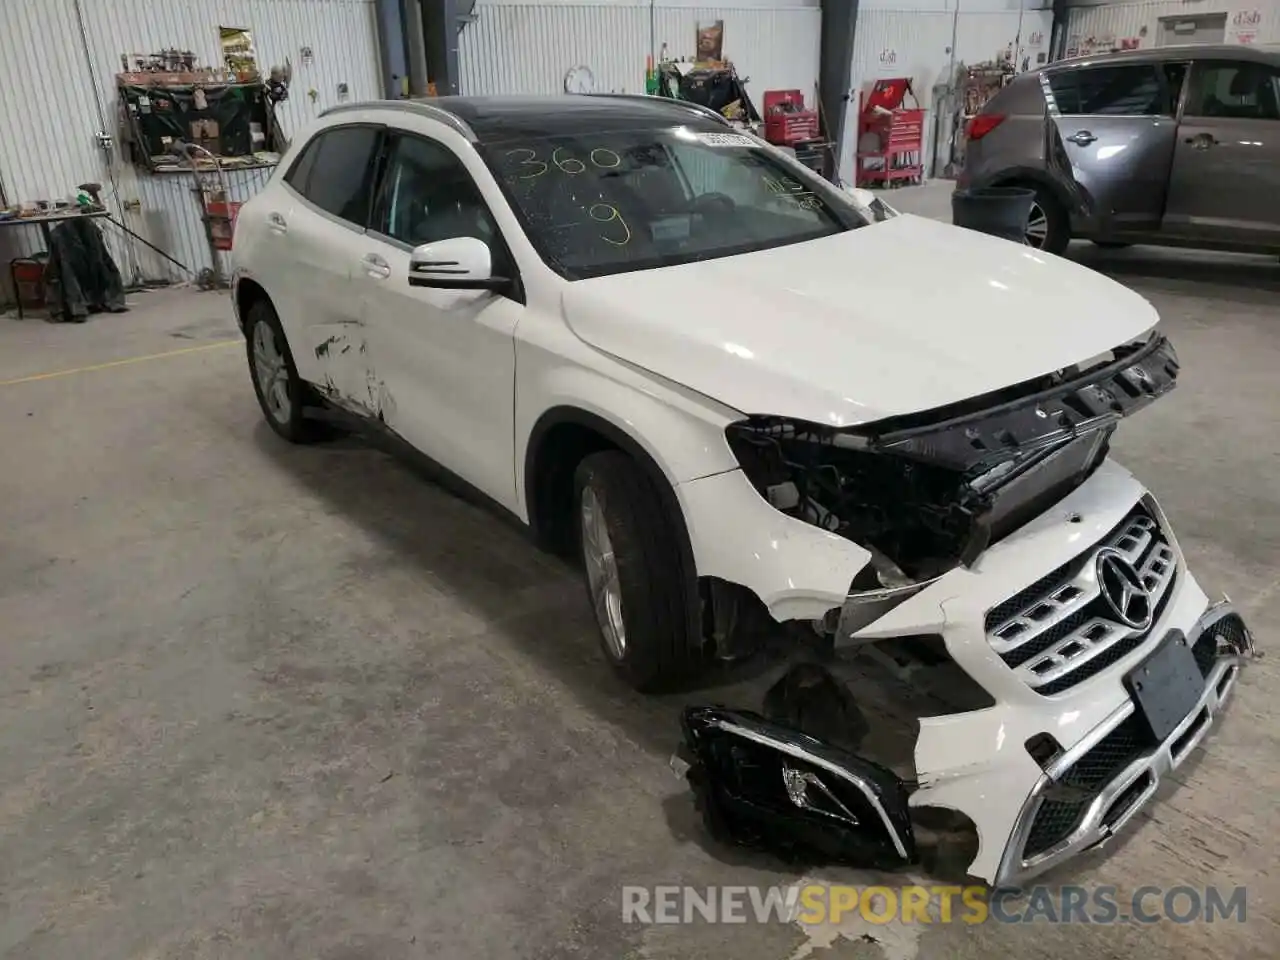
x,y
266,701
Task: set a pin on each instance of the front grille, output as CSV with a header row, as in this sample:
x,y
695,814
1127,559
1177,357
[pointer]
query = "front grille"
x,y
1057,818
1061,630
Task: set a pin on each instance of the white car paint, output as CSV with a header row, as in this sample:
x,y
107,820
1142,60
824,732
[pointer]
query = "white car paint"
x,y
900,316
864,337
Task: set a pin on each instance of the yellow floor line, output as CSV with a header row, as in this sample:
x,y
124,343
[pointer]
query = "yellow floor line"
x,y
119,363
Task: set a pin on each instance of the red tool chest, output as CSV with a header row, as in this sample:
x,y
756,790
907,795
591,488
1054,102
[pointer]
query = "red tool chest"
x,y
890,135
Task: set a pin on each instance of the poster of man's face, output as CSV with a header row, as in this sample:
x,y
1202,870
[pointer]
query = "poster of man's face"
x,y
711,40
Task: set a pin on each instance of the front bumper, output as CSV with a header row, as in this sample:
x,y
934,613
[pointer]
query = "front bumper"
x,y
1112,774
1066,683
1069,685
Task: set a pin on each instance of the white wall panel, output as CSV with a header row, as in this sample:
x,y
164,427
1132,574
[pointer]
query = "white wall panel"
x,y
1095,28
47,113
515,48
527,48
49,116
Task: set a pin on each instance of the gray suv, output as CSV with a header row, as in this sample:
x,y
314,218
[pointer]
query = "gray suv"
x,y
1177,146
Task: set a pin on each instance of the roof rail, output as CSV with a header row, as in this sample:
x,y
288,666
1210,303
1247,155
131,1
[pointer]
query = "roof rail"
x,y
678,104
419,107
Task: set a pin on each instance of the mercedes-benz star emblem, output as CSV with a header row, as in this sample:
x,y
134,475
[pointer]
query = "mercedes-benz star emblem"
x,y
1123,589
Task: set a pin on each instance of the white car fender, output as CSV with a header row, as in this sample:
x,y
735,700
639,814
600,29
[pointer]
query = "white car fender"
x,y
798,571
691,428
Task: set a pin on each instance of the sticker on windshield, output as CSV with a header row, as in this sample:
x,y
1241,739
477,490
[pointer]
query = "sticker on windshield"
x,y
725,140
669,229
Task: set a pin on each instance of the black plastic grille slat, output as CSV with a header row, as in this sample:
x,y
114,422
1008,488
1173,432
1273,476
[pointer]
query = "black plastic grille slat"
x,y
1206,651
1054,822
1042,642
1206,648
1099,766
1113,654
1098,607
1046,584
1023,598
1110,755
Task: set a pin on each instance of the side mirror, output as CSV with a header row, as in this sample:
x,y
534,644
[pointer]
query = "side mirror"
x,y
459,263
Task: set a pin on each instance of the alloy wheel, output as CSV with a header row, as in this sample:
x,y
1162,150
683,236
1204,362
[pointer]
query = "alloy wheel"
x,y
602,574
1037,229
272,373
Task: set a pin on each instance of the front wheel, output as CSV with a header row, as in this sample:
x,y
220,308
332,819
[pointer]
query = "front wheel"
x,y
633,574
1048,226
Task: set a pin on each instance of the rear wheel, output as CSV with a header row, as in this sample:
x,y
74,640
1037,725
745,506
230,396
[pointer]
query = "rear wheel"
x,y
633,574
1048,226
281,393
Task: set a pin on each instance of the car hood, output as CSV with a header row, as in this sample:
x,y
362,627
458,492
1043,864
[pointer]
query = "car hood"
x,y
898,317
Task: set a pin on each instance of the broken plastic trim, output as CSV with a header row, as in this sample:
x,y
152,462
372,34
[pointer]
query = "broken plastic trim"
x,y
979,434
931,491
864,607
762,784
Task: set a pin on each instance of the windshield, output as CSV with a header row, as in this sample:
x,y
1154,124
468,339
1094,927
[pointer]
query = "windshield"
x,y
619,201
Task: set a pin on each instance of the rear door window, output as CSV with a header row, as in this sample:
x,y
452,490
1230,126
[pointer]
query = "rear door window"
x,y
1236,91
340,179
1120,90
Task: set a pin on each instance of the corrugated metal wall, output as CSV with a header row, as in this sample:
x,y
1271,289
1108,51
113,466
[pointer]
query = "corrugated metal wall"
x,y
49,117
528,47
911,42
1090,29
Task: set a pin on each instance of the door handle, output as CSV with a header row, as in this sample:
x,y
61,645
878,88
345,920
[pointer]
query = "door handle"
x,y
1082,138
1202,141
375,266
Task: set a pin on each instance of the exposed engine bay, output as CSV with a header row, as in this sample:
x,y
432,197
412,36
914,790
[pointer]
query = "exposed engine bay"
x,y
930,491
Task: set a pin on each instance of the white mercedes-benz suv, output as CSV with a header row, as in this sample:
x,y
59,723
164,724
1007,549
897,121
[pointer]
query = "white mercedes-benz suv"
x,y
744,396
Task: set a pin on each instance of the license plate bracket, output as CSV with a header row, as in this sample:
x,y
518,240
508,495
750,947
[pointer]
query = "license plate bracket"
x,y
1167,685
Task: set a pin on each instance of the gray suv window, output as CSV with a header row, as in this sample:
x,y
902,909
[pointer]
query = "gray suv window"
x,y
1237,91
1122,90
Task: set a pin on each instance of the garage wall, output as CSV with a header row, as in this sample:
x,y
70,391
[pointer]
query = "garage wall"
x,y
49,115
528,47
913,38
1095,28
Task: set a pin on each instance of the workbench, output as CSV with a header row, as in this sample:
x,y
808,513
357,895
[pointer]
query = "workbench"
x,y
46,222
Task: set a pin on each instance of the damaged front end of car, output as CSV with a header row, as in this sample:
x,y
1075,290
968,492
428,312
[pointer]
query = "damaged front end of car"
x,y
925,493
934,499
792,780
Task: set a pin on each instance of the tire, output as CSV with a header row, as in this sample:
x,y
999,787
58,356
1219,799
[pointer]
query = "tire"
x,y
1057,225
285,410
633,574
